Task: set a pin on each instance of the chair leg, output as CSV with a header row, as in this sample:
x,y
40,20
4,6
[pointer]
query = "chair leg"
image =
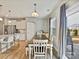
x,y
45,56
34,57
26,50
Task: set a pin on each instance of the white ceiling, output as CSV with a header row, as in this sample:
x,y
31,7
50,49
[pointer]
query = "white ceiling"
x,y
24,8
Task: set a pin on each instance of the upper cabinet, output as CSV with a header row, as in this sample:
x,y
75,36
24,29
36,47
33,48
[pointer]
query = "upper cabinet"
x,y
21,24
9,22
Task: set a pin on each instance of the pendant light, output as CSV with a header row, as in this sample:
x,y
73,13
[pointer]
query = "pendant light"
x,y
35,13
1,19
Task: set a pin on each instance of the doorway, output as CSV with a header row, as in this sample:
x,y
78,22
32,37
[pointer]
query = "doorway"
x,y
30,31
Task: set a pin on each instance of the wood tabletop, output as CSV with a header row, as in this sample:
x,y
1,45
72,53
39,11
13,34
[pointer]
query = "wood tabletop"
x,y
40,37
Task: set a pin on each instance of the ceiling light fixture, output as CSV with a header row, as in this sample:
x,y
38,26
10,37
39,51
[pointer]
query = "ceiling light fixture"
x,y
35,13
9,21
1,19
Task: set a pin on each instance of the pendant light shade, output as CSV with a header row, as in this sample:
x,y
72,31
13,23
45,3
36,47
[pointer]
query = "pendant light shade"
x,y
35,13
1,19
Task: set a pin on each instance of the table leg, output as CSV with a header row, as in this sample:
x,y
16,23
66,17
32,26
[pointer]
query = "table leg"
x,y
29,52
51,51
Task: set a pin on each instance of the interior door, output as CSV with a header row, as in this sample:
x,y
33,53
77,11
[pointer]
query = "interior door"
x,y
30,30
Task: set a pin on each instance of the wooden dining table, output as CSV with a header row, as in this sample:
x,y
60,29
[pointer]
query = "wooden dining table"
x,y
49,46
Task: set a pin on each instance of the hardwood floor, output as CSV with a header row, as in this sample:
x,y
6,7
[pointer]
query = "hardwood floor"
x,y
16,52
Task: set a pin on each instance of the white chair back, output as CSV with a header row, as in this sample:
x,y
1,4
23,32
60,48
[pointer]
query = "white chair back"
x,y
40,47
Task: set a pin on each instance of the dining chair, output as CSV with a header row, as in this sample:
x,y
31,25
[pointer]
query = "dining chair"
x,y
40,48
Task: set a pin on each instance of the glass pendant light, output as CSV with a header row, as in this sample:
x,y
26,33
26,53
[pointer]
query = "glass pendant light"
x,y
35,13
1,19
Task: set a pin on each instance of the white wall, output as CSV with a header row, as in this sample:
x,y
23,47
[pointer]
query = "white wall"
x,y
56,14
46,24
41,24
